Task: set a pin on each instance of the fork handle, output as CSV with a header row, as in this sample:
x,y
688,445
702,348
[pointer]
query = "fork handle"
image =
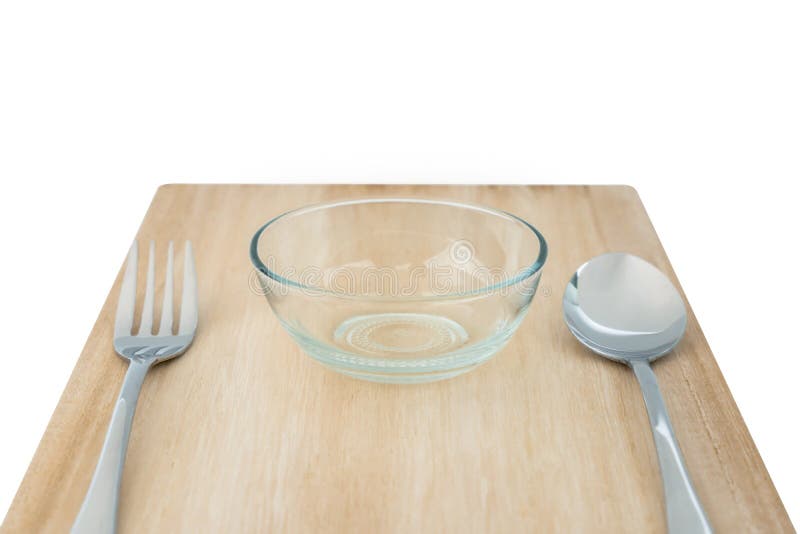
x,y
98,514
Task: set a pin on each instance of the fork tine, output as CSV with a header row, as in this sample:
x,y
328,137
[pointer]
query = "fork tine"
x,y
189,298
127,295
165,329
146,326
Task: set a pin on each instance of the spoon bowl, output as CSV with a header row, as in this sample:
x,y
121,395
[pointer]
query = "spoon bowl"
x,y
624,308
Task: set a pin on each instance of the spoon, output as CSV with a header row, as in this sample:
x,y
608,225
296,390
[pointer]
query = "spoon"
x,y
625,309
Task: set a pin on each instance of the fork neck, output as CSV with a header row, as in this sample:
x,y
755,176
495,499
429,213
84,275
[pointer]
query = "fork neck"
x,y
137,370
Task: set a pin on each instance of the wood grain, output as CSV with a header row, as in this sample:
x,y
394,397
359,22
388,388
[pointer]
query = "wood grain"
x,y
246,434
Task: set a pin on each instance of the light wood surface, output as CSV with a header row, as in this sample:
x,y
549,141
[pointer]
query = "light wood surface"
x,y
245,433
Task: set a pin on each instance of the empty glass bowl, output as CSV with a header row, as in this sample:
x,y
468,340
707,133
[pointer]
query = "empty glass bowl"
x,y
399,290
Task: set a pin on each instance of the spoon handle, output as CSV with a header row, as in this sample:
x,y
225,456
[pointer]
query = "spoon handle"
x,y
685,514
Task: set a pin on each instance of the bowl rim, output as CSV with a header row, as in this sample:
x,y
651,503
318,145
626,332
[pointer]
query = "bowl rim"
x,y
525,273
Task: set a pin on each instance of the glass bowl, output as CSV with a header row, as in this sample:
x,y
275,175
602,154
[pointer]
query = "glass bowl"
x,y
399,290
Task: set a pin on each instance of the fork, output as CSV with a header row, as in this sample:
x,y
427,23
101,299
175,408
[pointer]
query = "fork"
x,y
98,513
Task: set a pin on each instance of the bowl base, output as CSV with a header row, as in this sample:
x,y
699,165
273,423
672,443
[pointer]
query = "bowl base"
x,y
401,348
405,335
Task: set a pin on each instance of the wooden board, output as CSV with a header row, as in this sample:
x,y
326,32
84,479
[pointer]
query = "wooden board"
x,y
245,433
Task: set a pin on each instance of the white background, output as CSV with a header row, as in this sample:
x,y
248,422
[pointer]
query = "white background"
x,y
694,102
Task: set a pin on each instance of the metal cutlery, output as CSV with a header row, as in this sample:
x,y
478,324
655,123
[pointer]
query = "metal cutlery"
x,y
98,513
625,309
